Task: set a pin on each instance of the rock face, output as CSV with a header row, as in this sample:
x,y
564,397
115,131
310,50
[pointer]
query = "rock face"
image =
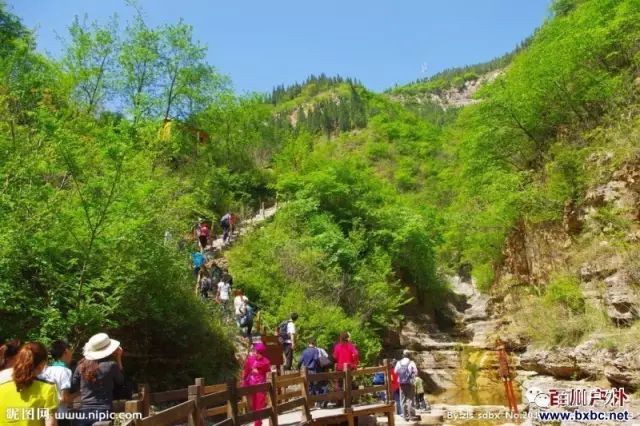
x,y
621,299
442,353
452,98
583,361
531,254
624,370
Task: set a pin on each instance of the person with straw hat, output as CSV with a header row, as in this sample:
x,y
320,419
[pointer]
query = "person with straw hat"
x,y
98,373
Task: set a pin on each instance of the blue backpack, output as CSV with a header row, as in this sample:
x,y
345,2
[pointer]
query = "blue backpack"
x,y
378,378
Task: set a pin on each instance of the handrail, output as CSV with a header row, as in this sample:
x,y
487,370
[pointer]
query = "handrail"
x,y
200,402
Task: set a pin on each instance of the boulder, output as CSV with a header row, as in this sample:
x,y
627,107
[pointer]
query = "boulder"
x,y
621,299
624,369
557,363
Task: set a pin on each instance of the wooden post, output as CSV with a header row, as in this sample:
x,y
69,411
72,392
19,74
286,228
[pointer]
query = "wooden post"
x,y
134,406
194,393
233,401
273,397
145,398
305,394
200,383
348,380
387,380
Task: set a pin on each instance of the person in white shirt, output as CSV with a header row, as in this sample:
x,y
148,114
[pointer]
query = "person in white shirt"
x,y
223,294
58,372
240,305
407,372
287,332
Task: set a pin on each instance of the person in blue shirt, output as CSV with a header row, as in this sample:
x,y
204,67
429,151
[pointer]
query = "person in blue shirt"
x,y
310,360
198,260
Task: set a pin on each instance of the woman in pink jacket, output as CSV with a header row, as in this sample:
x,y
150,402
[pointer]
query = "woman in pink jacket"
x,y
345,353
255,372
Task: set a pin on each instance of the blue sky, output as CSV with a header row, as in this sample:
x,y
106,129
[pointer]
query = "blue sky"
x,y
260,44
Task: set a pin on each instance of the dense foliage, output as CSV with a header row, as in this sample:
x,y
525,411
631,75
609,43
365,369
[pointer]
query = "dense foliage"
x,y
86,199
519,153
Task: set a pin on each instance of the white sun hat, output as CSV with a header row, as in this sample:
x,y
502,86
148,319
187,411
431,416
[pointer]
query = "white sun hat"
x,y
99,346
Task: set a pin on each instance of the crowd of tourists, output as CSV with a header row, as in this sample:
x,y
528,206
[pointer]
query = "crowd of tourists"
x,y
406,384
43,386
38,387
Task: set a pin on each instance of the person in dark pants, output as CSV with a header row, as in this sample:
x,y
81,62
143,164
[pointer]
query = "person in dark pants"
x,y
407,372
287,334
225,223
97,375
310,359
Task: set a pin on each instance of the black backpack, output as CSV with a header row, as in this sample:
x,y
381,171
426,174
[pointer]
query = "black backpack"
x,y
283,333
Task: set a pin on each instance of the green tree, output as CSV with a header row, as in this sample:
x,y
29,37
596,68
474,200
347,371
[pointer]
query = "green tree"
x,y
90,60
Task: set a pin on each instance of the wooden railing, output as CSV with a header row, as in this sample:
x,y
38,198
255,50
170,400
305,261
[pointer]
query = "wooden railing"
x,y
225,403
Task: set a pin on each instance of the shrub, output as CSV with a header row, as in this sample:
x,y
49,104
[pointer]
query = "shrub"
x,y
565,291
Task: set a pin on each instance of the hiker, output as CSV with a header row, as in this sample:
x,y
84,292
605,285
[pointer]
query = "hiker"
x,y
202,233
198,260
315,360
310,359
222,297
204,283
247,320
345,355
244,311
58,373
395,386
26,400
287,336
239,305
255,372
225,223
8,353
96,377
407,371
421,403
215,273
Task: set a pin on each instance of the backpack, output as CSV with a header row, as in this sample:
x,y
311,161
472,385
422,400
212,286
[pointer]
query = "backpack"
x,y
404,375
323,360
378,378
206,284
283,332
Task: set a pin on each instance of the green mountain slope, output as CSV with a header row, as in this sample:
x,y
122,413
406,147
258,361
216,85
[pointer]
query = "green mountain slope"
x,y
379,198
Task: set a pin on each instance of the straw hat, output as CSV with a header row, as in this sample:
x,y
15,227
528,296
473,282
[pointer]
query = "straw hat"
x,y
100,346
